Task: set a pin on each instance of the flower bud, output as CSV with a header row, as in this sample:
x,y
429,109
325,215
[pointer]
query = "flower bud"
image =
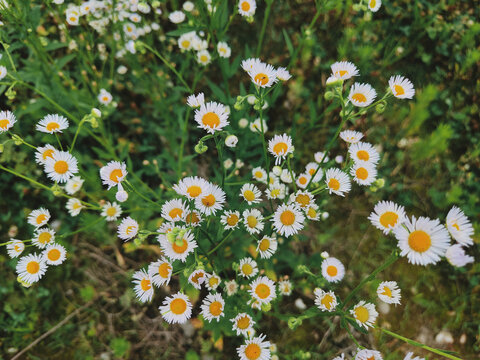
x,y
231,141
200,148
328,95
293,323
380,108
266,307
121,196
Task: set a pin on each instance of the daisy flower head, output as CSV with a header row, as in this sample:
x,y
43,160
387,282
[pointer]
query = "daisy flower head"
x,y
276,190
113,173
204,57
253,221
283,74
456,256
423,241
39,217
197,278
280,146
401,87
195,101
333,269
143,285
259,174
176,17
224,50
182,245
213,281
312,213
111,211
230,219
44,152
337,181
389,292
248,268
362,95
43,237
387,215
231,287
374,5
174,210
7,120
31,268
52,123
127,229
366,354
160,272
213,307
61,166
363,173
242,324
364,314
104,97
247,8
211,116
351,136
262,289
191,186
185,43
362,151
459,226
73,185
72,16
193,218
321,157
263,75
211,200
267,246
326,301
288,220
15,248
74,206
176,309
251,194
285,287
344,70
312,169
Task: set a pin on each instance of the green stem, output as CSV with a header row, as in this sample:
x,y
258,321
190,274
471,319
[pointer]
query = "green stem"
x,y
291,173
58,141
76,134
264,26
220,243
134,189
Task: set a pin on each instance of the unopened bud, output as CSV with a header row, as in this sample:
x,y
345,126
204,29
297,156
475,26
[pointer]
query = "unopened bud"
x,y
293,323
328,95
200,148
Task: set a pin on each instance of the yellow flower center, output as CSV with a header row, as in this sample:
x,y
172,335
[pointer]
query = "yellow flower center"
x,y
213,281
208,200
261,79
197,277
419,241
33,267
341,73
280,148
361,314
275,192
243,322
194,190
399,90
264,244
4,123
60,167
73,19
258,174
204,58
178,306
145,284
41,218
53,126
130,229
44,238
247,269
232,219
105,99
361,173
245,6
388,219
332,270
47,153
216,308
185,43
334,184
373,3
302,180
180,249
359,97
455,225
312,213
115,174
249,195
252,221
175,212
363,155
164,270
253,351
287,217
192,218
327,301
387,291
111,211
262,291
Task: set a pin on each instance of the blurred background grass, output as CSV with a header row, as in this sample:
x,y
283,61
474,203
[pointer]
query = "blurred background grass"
x,y
430,161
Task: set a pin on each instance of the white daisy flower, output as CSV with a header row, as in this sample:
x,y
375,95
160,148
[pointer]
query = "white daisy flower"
x,y
39,217
312,213
251,194
321,157
333,269
288,220
389,292
213,307
230,219
211,200
362,151
185,42
242,324
362,95
387,216
351,136
423,241
127,229
224,50
303,180
31,268
459,226
276,190
211,117
248,267
213,281
61,166
180,248
43,153
174,210
7,120
73,185
366,354
74,206
203,57
176,17
160,272
302,198
43,237
231,287
285,287
267,246
253,221
456,256
259,174
262,289
193,218
72,17
280,146
15,248
283,74
374,5
143,285
263,75
52,123
195,101
363,173
344,70
54,254
176,309
326,301
188,6
247,8
337,181
113,173
104,97
401,87
314,168
197,278
191,187
364,314
111,211
3,72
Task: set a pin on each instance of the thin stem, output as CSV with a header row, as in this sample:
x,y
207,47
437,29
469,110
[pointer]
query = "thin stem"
x,y
291,174
76,134
133,188
58,141
220,243
264,26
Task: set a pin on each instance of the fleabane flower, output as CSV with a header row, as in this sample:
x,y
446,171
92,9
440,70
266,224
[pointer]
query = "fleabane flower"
x,y
259,174
364,314
312,169
389,292
363,173
104,97
52,123
337,182
43,237
263,75
288,220
231,287
362,151
113,173
253,221
459,226
15,248
251,194
211,200
160,272
326,301
31,268
351,136
44,152
362,95
111,211
312,213
302,199
242,324
423,241
230,219
211,116
213,307
3,72
73,185
39,217
276,190
182,245
283,74
72,16
285,287
401,87
280,146
191,187
7,120
127,229
456,256
262,289
61,166
344,70
193,218
195,101
224,50
197,278
387,215
333,269
248,268
212,281
204,57
143,285
366,354
247,8
374,5
176,309
74,206
176,17
174,210
267,246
